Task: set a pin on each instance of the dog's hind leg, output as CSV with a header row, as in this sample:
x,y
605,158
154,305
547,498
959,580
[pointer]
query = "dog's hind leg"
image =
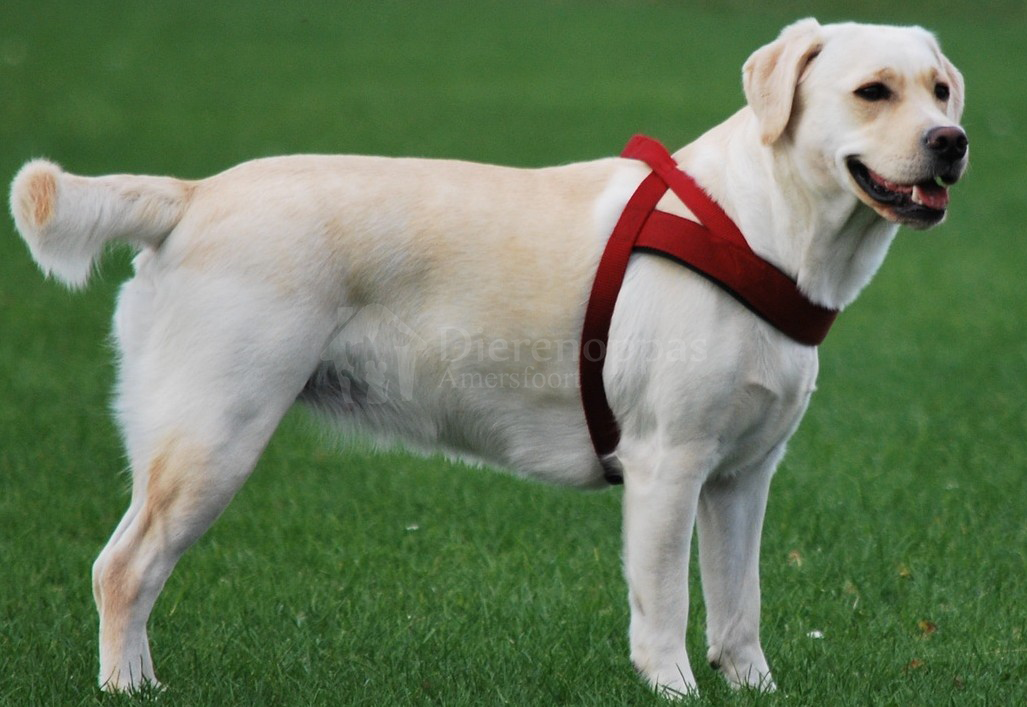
x,y
730,521
204,383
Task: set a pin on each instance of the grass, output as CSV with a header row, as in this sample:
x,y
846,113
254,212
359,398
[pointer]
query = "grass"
x,y
897,524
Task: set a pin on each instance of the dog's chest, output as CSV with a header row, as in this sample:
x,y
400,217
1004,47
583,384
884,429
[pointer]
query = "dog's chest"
x,y
717,375
763,402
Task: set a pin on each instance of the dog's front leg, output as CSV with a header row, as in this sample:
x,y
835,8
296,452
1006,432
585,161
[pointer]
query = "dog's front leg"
x,y
730,520
660,499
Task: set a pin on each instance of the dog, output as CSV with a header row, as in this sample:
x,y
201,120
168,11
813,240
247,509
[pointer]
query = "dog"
x,y
440,303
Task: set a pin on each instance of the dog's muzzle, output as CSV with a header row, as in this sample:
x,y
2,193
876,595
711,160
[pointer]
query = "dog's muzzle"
x,y
921,203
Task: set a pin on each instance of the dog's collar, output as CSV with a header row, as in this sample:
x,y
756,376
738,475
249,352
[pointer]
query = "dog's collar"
x,y
714,248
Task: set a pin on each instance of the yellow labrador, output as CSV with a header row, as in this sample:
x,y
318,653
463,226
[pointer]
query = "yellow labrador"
x,y
439,304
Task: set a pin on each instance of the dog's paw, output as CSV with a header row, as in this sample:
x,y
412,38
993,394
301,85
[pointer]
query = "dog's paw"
x,y
746,668
145,686
674,681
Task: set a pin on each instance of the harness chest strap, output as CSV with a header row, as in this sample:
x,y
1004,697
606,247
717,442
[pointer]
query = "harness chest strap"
x,y
713,248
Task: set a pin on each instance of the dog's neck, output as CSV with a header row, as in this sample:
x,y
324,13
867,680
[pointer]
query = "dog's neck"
x,y
815,230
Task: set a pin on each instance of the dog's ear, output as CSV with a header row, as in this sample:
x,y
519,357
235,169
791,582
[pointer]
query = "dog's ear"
x,y
957,89
772,73
950,74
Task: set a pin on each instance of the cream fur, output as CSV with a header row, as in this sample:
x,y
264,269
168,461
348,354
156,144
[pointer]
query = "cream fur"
x,y
439,304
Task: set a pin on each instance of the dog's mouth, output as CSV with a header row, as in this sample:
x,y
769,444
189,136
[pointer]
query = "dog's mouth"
x,y
921,204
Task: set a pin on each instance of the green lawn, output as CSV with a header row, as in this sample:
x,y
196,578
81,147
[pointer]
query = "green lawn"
x,y
897,524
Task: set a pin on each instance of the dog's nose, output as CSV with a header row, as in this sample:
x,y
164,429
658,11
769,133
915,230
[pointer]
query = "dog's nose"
x,y
948,143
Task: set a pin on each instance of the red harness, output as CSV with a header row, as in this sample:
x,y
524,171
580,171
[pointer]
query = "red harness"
x,y
714,248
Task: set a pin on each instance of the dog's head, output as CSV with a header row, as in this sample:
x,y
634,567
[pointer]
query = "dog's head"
x,y
870,109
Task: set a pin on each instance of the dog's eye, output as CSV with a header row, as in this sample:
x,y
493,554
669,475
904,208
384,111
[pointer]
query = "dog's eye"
x,y
874,92
941,92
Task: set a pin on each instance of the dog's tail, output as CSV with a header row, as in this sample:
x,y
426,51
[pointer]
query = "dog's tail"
x,y
66,220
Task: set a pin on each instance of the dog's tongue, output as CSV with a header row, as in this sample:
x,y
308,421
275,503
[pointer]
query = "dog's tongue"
x,y
931,195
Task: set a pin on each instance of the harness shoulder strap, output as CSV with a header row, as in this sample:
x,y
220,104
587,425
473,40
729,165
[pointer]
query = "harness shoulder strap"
x,y
602,425
691,194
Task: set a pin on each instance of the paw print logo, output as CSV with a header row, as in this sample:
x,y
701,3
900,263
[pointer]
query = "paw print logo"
x,y
373,357
377,378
